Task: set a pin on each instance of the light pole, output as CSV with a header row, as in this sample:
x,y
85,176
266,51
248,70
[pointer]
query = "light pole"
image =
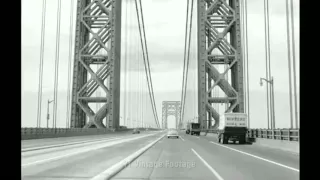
x,y
271,82
48,115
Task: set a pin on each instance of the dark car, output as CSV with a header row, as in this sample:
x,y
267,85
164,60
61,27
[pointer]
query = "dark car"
x,y
136,131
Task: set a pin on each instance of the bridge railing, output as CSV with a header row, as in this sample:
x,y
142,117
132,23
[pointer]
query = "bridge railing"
x,y
33,133
276,134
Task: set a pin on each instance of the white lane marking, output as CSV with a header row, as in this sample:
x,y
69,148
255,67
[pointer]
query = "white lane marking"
x,y
124,163
66,144
198,137
181,138
208,166
288,167
84,150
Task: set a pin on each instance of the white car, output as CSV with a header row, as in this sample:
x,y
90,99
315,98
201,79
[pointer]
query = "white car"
x,y
173,133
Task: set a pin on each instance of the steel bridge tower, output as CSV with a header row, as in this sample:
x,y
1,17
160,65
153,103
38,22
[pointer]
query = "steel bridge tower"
x,y
170,108
97,42
219,43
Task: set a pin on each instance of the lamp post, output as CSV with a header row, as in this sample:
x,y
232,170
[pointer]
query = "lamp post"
x,y
271,82
48,115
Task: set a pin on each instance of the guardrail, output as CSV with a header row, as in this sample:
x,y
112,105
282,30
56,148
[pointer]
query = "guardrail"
x,y
277,134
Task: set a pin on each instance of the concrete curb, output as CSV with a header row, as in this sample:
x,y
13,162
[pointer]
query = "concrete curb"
x,y
113,170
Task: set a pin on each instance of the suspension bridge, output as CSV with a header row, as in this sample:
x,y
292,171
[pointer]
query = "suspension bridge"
x,y
98,73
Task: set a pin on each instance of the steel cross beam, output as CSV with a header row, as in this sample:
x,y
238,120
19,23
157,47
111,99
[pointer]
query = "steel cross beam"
x,y
170,108
97,41
219,43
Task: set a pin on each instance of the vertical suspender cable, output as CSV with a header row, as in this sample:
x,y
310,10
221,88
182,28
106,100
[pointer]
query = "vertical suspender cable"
x,y
188,55
247,59
125,65
269,68
243,55
267,58
69,64
184,63
131,65
137,87
140,84
43,27
294,66
138,94
55,102
289,63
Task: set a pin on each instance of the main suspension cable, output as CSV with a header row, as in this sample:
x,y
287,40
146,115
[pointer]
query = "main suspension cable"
x,y
41,63
294,66
147,55
56,83
146,63
69,64
184,62
247,58
188,56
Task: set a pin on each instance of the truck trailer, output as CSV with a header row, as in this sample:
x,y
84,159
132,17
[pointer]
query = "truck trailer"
x,y
233,127
193,128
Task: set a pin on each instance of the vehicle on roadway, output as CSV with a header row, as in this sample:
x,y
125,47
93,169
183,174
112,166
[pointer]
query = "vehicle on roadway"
x,y
233,127
136,131
173,133
193,128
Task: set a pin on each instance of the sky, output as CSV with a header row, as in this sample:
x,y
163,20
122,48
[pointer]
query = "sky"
x,y
165,29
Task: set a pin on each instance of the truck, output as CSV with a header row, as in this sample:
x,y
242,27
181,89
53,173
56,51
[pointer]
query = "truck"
x,y
193,128
233,127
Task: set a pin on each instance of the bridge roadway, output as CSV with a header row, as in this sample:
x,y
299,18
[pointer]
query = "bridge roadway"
x,y
189,157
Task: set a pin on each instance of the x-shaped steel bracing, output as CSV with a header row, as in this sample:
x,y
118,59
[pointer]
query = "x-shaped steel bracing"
x,y
96,18
221,20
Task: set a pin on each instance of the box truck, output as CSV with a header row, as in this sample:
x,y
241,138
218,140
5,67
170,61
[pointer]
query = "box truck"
x,y
232,127
193,128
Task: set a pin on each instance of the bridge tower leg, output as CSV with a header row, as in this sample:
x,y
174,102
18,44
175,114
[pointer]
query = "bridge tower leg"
x,y
164,115
97,42
170,108
219,43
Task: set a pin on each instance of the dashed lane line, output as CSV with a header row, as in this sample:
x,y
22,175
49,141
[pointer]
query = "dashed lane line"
x,y
263,159
210,168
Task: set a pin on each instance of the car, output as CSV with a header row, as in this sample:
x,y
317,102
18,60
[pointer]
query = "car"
x,y
173,133
136,131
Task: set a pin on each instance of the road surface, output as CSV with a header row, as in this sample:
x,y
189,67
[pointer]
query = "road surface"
x,y
194,157
189,157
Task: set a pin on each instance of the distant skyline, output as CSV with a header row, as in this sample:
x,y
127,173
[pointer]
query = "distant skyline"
x,y
165,39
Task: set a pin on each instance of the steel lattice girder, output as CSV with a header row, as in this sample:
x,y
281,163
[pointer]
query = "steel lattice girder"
x,y
170,108
220,15
97,29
